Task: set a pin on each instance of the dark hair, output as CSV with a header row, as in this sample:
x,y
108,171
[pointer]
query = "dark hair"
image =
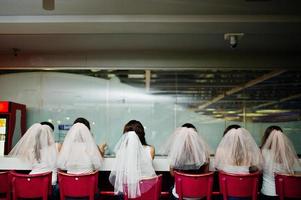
x,y
136,126
235,126
83,121
48,124
268,132
188,125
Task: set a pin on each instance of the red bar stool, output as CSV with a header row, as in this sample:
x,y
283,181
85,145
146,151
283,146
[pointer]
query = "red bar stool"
x,y
239,185
5,184
194,185
150,189
78,185
288,186
31,185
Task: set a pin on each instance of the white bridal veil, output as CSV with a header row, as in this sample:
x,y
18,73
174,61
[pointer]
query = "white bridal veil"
x,y
131,165
281,153
186,149
237,148
79,150
37,146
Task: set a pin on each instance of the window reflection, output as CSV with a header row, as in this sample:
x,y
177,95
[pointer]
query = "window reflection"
x,y
161,99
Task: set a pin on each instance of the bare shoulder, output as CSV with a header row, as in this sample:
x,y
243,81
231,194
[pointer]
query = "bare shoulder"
x,y
152,151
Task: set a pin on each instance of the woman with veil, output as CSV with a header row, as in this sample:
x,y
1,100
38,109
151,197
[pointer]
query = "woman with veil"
x,y
79,152
237,152
133,161
279,156
37,147
187,152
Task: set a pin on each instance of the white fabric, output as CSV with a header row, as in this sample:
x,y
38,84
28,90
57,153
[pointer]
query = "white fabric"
x,y
147,171
236,169
79,152
43,165
24,149
147,151
279,156
131,165
186,149
268,178
37,146
237,148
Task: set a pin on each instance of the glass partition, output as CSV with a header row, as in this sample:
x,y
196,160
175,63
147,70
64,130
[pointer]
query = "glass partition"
x,y
161,99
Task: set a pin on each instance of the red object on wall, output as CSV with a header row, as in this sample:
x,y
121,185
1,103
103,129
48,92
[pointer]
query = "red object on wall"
x,y
9,111
4,106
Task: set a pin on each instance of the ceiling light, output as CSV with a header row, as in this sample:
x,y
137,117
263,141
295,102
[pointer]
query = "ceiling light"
x,y
232,118
135,75
231,112
253,114
95,70
268,111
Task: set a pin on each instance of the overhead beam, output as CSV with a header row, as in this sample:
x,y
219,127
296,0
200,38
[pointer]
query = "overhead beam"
x,y
159,60
277,102
242,87
152,24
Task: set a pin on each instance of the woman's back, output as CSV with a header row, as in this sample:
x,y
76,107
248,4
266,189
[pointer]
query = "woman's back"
x,y
187,153
279,156
47,163
133,162
38,147
79,152
147,172
237,152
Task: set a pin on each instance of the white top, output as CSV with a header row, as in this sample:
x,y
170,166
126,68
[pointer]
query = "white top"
x,y
146,173
44,164
236,169
38,168
79,164
268,182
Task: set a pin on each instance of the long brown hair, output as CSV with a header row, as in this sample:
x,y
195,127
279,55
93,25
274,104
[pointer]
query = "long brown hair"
x,y
267,134
136,126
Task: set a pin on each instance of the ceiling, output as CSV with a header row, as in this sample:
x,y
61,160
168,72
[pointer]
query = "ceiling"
x,y
79,26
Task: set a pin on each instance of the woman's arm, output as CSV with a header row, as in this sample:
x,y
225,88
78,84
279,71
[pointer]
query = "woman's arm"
x,y
205,167
58,146
102,149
